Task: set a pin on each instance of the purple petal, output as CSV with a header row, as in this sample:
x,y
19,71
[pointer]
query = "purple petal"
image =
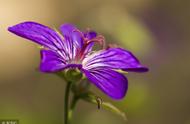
x,y
51,61
71,33
67,29
113,58
89,48
38,33
73,39
110,82
90,34
137,69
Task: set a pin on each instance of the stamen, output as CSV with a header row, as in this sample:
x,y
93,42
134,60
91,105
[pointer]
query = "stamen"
x,y
112,46
100,39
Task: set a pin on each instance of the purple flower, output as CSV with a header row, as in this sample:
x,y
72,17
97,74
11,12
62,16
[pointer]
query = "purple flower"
x,y
73,49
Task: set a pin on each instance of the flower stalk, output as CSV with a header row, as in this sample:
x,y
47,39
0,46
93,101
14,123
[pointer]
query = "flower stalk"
x,y
66,106
72,107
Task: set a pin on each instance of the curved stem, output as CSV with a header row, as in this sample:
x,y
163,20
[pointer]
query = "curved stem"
x,y
66,107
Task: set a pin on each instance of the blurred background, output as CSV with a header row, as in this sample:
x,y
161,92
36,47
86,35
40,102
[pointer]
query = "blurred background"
x,y
156,31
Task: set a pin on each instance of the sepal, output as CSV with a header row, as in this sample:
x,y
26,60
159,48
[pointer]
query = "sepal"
x,y
70,75
73,75
82,87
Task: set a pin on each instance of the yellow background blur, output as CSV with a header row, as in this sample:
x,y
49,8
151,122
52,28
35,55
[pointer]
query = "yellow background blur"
x,y
156,31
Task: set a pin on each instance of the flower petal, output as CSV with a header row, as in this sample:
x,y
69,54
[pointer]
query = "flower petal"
x,y
113,58
51,61
67,29
74,39
71,33
90,34
38,33
110,82
137,69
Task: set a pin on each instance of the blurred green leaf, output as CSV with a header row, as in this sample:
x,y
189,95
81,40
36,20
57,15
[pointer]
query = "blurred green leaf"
x,y
134,35
124,29
90,97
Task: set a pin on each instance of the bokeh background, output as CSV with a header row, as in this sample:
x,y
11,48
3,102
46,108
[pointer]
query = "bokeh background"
x,y
156,31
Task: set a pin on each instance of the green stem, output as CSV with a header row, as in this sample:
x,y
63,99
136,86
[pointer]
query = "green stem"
x,y
66,107
73,104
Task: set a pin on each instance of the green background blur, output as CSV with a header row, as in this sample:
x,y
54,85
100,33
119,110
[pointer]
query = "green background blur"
x,y
156,31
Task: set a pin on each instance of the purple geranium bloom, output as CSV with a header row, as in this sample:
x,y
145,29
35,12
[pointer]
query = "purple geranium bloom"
x,y
73,49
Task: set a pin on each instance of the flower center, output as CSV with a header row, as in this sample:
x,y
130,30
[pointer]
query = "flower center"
x,y
86,45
